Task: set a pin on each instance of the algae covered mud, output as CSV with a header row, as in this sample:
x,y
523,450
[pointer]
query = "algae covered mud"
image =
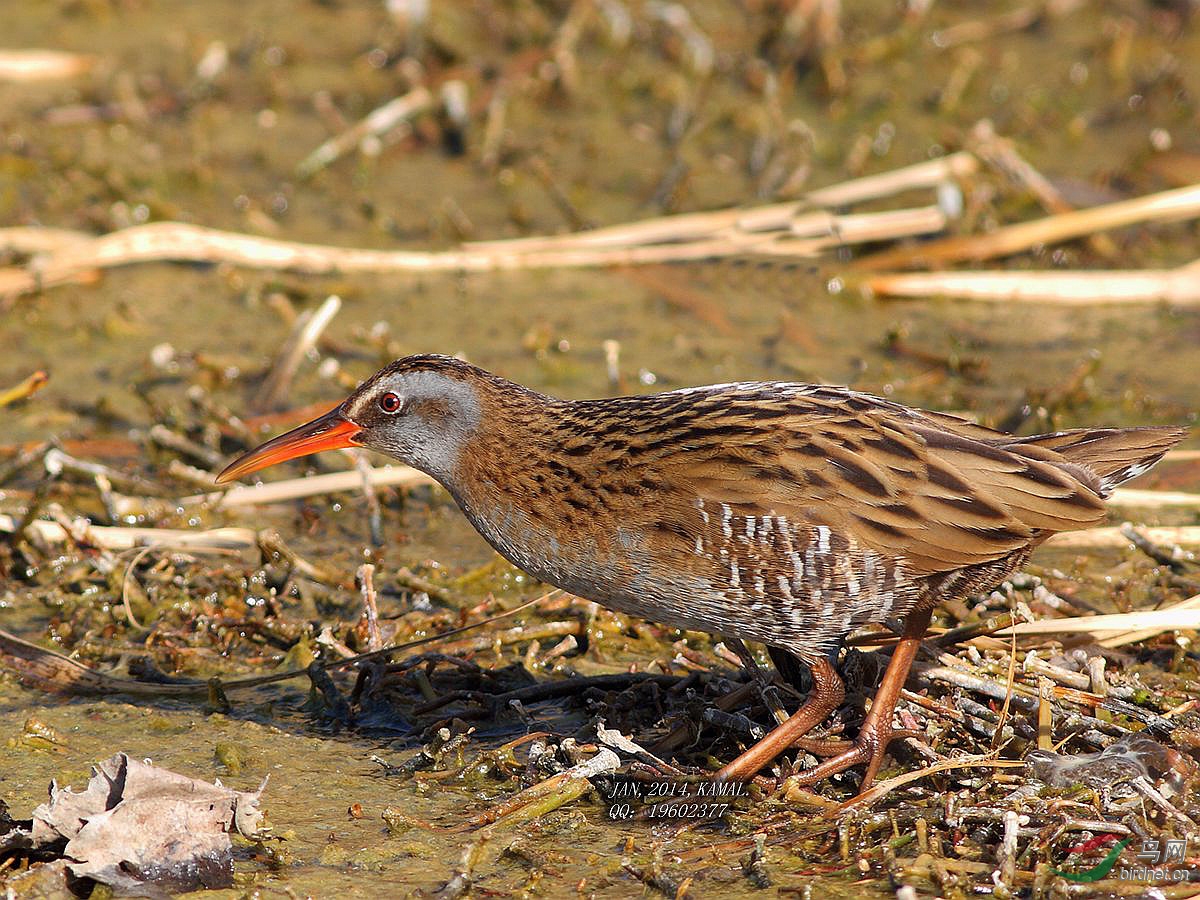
x,y
500,759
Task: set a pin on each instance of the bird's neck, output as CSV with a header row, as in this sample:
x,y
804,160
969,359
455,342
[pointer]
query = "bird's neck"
x,y
513,439
500,477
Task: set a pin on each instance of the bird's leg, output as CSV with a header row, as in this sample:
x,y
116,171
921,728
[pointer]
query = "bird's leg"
x,y
827,692
766,690
871,745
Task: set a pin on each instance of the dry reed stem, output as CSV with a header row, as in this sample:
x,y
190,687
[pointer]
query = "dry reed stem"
x,y
1179,286
1141,634
929,174
1152,499
771,217
1001,154
883,788
64,257
305,333
24,389
1093,538
1185,615
36,239
1167,206
861,228
216,540
27,66
366,581
375,124
181,242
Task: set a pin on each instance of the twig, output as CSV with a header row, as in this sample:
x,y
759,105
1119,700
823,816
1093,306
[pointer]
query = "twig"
x,y
25,66
1174,558
1175,617
295,488
305,333
1112,537
1006,874
409,579
374,508
1002,155
1143,786
1009,679
1180,286
366,581
1137,635
25,389
24,457
983,761
217,540
1152,499
271,544
929,174
856,228
772,217
56,462
181,242
557,790
377,123
39,239
165,437
125,584
1167,206
515,635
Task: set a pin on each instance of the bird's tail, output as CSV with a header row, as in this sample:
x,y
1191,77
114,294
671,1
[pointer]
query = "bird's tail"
x,y
1112,455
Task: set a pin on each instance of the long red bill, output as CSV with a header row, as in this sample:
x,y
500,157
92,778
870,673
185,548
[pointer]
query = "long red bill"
x,y
331,431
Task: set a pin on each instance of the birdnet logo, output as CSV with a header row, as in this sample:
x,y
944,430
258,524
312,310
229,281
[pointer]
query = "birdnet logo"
x,y
1158,861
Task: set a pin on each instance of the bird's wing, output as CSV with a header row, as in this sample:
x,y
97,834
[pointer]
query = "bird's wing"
x,y
894,480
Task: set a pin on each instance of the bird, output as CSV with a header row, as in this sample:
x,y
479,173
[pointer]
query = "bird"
x,y
784,513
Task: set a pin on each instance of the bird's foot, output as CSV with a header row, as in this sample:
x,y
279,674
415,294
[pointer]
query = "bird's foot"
x,y
826,746
870,747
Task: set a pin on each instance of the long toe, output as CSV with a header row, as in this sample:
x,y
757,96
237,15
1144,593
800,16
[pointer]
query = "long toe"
x,y
869,747
822,746
857,753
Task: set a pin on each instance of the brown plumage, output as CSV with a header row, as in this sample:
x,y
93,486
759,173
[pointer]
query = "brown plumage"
x,y
784,513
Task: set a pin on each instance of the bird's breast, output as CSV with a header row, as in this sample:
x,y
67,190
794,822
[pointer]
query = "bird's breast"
x,y
765,577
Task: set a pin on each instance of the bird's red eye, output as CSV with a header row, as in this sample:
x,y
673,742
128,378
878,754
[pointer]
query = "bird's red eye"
x,y
389,403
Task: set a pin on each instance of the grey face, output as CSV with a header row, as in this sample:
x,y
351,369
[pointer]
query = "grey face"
x,y
421,418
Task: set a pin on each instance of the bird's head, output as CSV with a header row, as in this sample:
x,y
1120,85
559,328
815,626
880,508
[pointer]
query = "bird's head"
x,y
420,410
